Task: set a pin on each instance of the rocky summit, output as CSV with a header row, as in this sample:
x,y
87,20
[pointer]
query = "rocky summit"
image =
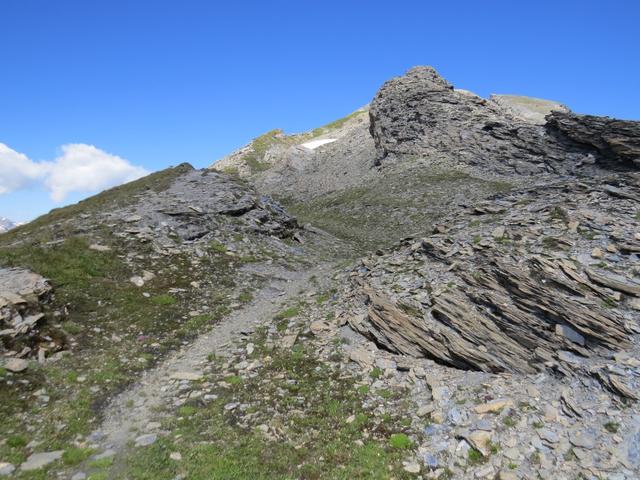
x,y
437,286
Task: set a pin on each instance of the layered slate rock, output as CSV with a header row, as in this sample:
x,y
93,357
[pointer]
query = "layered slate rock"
x,y
24,297
201,202
545,278
421,114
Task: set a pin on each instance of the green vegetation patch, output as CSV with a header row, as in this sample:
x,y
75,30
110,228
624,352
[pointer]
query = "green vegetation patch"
x,y
410,202
318,440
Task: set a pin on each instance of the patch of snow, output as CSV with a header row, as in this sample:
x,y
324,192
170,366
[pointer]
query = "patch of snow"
x,y
312,145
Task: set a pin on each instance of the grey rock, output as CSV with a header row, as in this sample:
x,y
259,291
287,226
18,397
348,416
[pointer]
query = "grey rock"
x,y
420,113
548,435
6,469
582,439
570,334
146,440
633,448
38,460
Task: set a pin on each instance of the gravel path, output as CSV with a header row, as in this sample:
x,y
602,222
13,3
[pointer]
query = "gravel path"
x,y
129,415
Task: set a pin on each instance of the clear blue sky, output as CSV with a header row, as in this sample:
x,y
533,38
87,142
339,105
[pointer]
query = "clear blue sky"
x,y
163,82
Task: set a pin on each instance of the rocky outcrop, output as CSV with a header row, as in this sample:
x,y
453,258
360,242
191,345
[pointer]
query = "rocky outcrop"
x,y
616,142
200,203
421,114
24,297
541,279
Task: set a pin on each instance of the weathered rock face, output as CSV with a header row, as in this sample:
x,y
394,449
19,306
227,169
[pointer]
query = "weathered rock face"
x,y
23,299
198,204
518,284
616,141
421,114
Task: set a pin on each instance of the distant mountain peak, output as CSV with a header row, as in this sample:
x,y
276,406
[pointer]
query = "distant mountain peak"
x,y
6,224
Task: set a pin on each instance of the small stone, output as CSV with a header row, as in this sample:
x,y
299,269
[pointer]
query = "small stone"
x,y
362,357
133,218
425,410
16,365
550,413
512,453
411,466
351,419
498,233
548,435
493,407
430,460
106,454
137,281
505,475
611,248
99,248
582,439
479,440
485,472
146,440
189,376
176,456
79,476
39,460
597,253
6,469
570,334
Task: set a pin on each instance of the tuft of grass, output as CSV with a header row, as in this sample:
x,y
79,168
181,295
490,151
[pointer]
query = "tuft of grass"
x,y
233,380
375,373
288,313
217,247
509,421
475,457
75,455
17,441
612,427
164,300
187,411
400,441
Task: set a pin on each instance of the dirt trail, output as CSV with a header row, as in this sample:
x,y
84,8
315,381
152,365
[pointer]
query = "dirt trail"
x,y
128,416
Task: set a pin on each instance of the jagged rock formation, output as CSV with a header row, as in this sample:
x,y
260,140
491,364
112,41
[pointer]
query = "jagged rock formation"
x,y
24,297
543,278
421,114
200,203
614,141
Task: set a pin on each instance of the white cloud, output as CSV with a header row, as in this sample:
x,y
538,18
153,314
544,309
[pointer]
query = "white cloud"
x,y
16,170
80,168
85,168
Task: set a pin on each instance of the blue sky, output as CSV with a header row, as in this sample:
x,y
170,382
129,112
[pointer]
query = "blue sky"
x,y
155,83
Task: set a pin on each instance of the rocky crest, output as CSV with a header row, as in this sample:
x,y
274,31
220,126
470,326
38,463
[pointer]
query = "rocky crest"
x,y
421,114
